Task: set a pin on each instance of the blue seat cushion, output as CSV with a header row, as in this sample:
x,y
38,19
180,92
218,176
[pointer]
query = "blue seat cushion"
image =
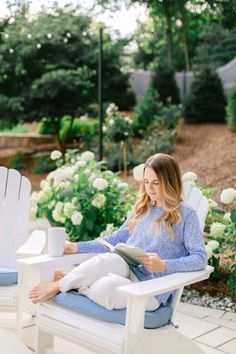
x,y
8,276
79,303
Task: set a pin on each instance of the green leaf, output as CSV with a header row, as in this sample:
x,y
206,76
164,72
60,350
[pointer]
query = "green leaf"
x,y
233,215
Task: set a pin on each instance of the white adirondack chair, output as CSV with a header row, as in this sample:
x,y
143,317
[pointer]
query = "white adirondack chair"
x,y
14,218
102,337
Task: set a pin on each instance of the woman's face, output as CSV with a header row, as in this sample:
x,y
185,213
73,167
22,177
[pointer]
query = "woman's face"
x,y
152,184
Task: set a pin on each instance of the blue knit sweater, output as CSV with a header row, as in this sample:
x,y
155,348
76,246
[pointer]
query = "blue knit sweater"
x,y
182,253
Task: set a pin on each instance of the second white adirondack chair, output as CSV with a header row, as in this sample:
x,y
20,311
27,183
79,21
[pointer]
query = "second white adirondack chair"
x,y
14,218
112,338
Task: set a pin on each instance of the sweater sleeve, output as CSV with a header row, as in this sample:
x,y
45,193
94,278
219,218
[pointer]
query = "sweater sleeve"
x,y
194,243
120,235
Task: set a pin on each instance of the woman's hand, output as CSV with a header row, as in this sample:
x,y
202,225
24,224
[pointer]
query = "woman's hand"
x,y
153,263
70,247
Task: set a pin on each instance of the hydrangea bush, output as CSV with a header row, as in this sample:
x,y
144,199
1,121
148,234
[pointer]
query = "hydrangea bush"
x,y
82,196
220,231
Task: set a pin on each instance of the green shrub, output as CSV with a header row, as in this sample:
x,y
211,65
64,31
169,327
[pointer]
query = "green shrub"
x,y
18,161
206,101
156,141
163,81
145,112
83,131
43,163
82,196
231,108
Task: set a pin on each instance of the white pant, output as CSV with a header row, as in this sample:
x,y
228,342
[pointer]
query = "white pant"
x,y
99,277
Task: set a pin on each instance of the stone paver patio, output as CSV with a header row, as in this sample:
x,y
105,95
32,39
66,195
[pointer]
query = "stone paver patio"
x,y
213,330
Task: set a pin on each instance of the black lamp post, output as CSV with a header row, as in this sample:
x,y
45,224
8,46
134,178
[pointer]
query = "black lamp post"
x,y
100,93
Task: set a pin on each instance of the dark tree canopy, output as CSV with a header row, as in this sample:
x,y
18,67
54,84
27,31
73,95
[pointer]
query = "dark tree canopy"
x,y
49,66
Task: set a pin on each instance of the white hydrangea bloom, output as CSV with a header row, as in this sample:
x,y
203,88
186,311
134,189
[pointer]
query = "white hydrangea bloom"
x,y
63,173
110,228
111,109
138,172
228,195
55,155
122,185
34,198
58,213
217,229
77,218
100,184
111,122
213,244
209,251
227,216
98,200
80,163
68,209
189,177
87,156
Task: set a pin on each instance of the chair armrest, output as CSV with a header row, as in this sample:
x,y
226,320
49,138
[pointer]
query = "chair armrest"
x,y
166,283
48,261
34,245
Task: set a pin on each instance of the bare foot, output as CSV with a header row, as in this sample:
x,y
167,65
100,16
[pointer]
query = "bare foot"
x,y
59,275
44,291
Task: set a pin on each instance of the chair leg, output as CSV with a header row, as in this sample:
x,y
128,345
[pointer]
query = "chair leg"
x,y
43,341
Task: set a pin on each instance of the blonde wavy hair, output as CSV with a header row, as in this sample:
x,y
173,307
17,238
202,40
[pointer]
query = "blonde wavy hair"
x,y
169,176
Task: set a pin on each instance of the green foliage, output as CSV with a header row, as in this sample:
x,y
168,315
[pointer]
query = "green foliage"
x,y
156,141
163,81
84,131
83,196
16,129
43,163
117,128
49,66
145,111
206,101
152,111
18,162
217,46
231,108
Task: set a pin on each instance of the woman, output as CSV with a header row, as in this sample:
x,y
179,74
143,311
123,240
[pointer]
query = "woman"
x,y
161,224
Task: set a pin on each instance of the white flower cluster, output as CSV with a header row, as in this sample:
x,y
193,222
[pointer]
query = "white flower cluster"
x,y
87,156
55,155
100,184
99,200
211,246
76,218
111,109
217,229
110,228
228,196
189,177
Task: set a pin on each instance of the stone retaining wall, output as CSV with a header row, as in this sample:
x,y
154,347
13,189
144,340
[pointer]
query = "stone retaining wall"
x,y
13,141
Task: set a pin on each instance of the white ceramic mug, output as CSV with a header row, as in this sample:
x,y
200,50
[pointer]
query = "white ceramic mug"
x,y
56,241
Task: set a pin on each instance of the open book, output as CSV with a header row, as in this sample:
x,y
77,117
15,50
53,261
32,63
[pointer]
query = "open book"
x,y
127,252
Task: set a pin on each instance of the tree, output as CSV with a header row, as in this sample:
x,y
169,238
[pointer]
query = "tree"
x,y
163,81
206,101
52,53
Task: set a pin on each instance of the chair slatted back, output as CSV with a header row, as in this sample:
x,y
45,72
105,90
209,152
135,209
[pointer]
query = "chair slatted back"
x,y
194,197
14,214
